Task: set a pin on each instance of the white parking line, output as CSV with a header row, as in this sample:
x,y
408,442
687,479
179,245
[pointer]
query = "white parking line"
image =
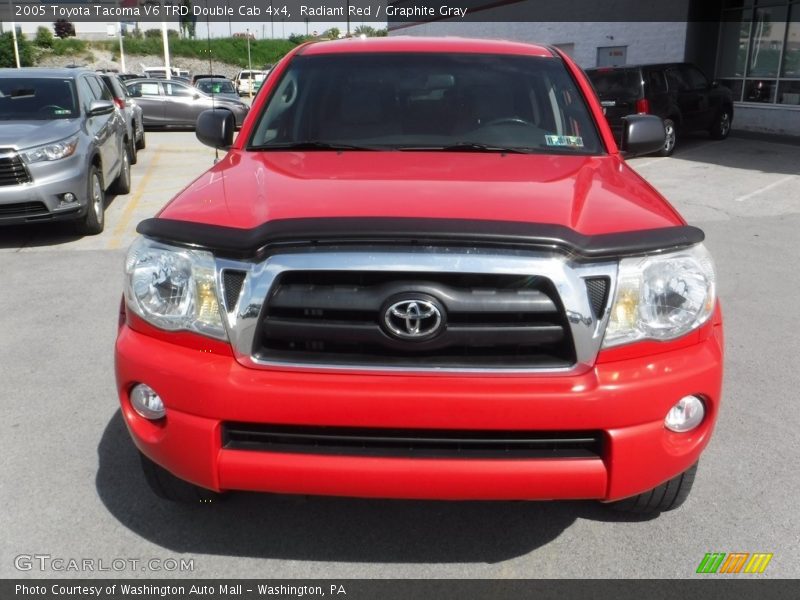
x,y
772,185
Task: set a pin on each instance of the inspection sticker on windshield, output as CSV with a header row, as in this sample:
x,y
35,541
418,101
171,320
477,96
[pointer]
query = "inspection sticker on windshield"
x,y
572,141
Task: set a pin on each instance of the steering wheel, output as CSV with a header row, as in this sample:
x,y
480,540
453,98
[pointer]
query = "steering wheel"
x,y
508,121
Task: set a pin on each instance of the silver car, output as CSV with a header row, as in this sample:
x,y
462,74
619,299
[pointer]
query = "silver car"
x,y
131,111
63,144
174,104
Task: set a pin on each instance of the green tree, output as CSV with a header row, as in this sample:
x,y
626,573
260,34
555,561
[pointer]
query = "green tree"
x,y
44,38
7,50
365,30
332,33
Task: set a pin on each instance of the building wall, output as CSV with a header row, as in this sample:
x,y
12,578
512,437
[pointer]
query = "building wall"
x,y
772,119
646,42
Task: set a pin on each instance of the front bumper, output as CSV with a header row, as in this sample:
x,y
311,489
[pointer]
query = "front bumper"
x,y
626,399
40,199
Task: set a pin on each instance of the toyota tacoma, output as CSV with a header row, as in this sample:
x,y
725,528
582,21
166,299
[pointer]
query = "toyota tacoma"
x,y
423,269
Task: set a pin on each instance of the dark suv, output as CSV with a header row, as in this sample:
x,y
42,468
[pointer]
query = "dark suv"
x,y
679,93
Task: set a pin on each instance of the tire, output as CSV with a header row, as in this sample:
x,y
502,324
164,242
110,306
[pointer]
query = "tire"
x,y
168,487
122,184
94,221
668,496
721,127
132,151
140,143
672,138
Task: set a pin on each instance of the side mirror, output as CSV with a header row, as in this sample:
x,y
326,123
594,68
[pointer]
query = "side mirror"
x,y
215,128
196,96
100,107
642,134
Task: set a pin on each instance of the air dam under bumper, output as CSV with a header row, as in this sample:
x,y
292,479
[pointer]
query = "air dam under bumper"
x,y
625,400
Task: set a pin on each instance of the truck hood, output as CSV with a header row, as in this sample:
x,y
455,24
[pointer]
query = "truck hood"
x,y
589,194
27,134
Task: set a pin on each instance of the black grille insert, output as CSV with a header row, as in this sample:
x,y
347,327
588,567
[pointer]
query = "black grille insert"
x,y
232,282
413,443
491,321
12,169
597,288
23,209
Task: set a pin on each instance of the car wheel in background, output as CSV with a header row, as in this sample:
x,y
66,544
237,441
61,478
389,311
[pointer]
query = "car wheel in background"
x,y
671,139
132,151
165,485
122,184
722,125
668,496
94,221
140,141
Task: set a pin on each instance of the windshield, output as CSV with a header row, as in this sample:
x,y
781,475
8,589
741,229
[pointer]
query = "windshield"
x,y
37,99
427,102
216,86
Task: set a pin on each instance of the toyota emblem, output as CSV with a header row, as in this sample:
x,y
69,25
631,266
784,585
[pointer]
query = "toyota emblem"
x,y
413,319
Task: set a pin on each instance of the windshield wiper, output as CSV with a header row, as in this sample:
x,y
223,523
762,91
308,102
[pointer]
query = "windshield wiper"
x,y
312,145
470,147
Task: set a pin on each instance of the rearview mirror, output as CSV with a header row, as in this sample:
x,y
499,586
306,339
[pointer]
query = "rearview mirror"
x,y
642,134
215,128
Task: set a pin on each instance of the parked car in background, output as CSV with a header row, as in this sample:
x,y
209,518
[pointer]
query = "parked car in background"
x,y
63,144
246,79
131,112
176,104
207,75
220,88
128,76
423,269
679,93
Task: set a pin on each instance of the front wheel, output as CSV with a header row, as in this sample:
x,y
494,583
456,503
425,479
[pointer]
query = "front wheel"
x,y
671,138
122,184
668,496
721,126
94,221
168,487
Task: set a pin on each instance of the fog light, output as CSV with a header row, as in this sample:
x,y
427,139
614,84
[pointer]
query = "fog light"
x,y
68,198
146,402
687,414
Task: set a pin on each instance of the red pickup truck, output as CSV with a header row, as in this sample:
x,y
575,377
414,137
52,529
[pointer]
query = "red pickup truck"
x,y
423,269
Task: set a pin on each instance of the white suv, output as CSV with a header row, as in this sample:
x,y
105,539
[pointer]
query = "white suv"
x,y
244,81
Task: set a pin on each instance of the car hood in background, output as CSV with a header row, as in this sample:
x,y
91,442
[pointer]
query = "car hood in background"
x,y
589,194
26,134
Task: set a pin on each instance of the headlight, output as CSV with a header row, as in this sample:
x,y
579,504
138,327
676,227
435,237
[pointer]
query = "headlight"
x,y
662,297
54,151
173,288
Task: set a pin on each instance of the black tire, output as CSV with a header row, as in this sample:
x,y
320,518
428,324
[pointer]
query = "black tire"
x,y
668,496
141,143
122,184
671,130
94,221
132,151
168,487
721,127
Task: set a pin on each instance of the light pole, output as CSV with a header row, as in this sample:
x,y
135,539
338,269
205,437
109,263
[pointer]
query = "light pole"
x,y
165,40
14,34
250,64
121,49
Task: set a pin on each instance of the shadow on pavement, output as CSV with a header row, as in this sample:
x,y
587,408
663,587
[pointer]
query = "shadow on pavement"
x,y
329,529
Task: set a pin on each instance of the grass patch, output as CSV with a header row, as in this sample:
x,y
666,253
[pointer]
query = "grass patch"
x,y
226,50
68,46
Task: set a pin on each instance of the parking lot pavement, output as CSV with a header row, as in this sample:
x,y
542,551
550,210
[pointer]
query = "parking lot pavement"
x,y
170,161
71,482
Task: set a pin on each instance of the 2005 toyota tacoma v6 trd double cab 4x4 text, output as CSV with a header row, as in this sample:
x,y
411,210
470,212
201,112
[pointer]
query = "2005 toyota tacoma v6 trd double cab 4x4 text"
x,y
422,270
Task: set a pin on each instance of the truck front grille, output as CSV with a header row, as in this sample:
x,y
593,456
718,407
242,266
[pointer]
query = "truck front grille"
x,y
488,321
12,169
411,443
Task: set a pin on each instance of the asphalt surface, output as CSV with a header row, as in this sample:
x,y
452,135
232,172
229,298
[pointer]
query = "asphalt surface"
x,y
72,488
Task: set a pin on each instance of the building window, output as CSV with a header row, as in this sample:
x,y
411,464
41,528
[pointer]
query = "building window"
x,y
759,51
